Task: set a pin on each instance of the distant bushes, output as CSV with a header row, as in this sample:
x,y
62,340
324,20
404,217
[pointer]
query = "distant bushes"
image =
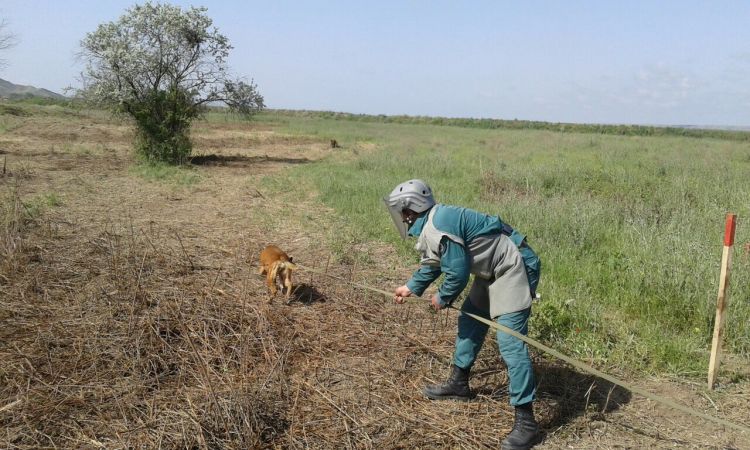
x,y
32,99
621,130
12,110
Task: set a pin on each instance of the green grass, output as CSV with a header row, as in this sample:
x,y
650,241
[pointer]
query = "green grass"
x,y
162,172
629,228
35,206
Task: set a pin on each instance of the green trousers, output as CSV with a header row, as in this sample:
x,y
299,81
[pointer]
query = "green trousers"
x,y
515,352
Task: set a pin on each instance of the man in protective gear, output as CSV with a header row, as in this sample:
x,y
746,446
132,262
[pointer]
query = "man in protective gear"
x,y
457,242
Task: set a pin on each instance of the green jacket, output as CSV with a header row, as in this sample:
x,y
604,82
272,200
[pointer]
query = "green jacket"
x,y
468,243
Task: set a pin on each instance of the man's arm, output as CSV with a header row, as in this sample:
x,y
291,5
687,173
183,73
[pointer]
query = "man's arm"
x,y
422,278
456,265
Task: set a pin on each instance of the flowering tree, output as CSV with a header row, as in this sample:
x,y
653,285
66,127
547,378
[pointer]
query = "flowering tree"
x,y
7,39
162,65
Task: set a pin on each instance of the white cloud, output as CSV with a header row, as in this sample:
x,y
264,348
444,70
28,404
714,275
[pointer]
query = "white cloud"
x,y
661,86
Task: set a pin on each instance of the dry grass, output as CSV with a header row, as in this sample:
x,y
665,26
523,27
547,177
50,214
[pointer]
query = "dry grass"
x,y
12,218
128,340
133,317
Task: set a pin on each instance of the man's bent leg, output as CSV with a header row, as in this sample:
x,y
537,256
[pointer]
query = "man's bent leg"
x,y
521,385
471,334
515,353
469,340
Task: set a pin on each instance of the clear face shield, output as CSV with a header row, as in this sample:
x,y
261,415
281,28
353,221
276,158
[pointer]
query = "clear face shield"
x,y
395,210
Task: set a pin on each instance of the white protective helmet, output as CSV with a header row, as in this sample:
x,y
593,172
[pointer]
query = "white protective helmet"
x,y
414,195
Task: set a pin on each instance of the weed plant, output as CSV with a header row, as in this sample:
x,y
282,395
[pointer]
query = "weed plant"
x,y
16,216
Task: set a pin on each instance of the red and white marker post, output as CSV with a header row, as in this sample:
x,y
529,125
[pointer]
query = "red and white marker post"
x,y
726,263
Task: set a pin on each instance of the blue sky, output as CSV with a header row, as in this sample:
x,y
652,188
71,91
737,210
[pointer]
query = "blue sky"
x,y
644,62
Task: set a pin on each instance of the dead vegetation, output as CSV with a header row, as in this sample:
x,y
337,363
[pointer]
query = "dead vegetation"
x,y
133,317
124,339
12,219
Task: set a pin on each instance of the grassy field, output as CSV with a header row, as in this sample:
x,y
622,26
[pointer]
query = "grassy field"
x,y
629,228
132,314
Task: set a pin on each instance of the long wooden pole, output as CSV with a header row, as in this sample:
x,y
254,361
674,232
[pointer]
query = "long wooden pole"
x,y
721,301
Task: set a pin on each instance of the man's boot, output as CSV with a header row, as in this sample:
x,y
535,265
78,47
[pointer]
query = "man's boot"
x,y
456,388
525,433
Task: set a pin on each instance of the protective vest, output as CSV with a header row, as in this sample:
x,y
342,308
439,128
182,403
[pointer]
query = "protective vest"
x,y
481,249
494,257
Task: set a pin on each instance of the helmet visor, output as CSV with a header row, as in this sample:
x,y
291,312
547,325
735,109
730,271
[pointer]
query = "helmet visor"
x,y
398,220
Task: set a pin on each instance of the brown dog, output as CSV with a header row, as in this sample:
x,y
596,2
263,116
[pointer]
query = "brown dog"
x,y
275,263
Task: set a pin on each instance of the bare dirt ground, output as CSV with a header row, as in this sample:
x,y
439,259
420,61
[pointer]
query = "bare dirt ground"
x,y
133,317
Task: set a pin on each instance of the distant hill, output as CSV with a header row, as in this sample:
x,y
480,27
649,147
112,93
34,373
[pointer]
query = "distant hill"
x,y
17,91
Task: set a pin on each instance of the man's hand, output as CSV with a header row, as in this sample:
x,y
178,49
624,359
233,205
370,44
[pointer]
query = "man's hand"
x,y
401,293
435,302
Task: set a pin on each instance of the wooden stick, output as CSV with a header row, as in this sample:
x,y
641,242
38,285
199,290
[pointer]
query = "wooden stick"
x,y
726,262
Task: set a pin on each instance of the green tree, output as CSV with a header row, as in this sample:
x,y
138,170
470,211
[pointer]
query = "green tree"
x,y
162,66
